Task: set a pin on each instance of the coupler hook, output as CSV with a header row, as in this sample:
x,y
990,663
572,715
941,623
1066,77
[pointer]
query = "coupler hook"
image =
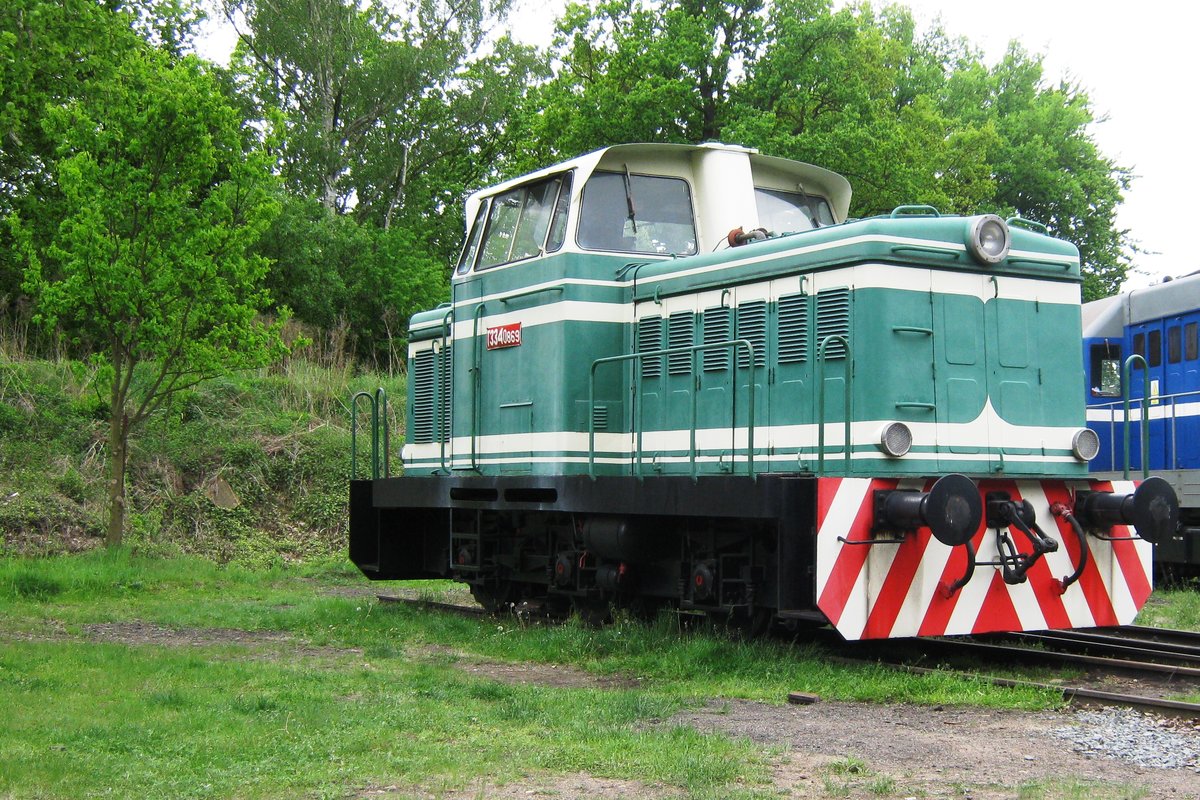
x,y
1004,513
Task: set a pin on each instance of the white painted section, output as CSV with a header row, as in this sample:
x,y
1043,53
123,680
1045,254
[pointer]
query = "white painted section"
x,y
724,195
988,426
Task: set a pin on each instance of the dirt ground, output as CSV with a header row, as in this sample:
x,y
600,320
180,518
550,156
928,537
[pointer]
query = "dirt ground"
x,y
926,751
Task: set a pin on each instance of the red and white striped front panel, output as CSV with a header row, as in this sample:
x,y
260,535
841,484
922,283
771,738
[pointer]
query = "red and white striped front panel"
x,y
893,590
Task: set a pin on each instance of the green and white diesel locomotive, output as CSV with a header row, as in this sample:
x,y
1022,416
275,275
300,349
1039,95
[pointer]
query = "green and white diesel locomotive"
x,y
677,375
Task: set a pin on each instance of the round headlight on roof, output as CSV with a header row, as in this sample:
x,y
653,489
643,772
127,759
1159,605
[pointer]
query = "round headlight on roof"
x,y
989,239
895,439
1085,444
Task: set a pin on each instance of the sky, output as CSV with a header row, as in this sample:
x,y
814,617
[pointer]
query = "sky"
x,y
1138,63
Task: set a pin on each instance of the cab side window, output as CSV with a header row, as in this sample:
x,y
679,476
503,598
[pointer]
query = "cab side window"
x,y
1105,370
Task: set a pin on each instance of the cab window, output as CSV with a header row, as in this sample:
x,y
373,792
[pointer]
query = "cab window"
x,y
472,246
1106,370
517,223
786,212
637,214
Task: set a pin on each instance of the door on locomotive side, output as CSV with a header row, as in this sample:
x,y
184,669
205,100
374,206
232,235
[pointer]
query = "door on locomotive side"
x,y
964,435
1179,380
1147,341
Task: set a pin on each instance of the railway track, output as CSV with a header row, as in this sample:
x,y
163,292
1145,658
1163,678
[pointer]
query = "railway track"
x,y
1163,658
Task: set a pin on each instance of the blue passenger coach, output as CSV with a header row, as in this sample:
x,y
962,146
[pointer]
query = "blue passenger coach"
x,y
1161,324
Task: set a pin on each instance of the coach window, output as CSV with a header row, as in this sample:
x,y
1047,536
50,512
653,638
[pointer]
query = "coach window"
x,y
1191,345
1139,347
1174,345
1106,370
637,214
517,223
1154,356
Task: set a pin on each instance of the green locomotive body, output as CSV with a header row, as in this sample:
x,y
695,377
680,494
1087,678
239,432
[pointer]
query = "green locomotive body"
x,y
665,369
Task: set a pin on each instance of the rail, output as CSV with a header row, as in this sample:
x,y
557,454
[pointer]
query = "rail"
x,y
847,400
379,434
734,345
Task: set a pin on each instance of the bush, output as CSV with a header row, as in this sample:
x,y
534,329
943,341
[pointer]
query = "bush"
x,y
280,439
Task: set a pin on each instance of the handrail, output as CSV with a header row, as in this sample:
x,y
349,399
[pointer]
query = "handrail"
x,y
439,359
530,292
1125,368
476,383
914,210
1171,400
848,399
378,403
734,344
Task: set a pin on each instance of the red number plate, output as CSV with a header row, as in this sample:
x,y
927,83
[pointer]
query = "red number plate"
x,y
504,336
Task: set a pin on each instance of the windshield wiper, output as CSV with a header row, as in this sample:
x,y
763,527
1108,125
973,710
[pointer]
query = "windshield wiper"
x,y
629,198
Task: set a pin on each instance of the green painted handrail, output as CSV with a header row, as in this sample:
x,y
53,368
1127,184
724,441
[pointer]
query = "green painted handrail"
x,y
476,384
1125,368
918,210
1028,224
379,433
821,401
439,358
636,358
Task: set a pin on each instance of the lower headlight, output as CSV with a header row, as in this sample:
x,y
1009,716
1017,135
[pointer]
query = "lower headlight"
x,y
1085,444
895,439
989,239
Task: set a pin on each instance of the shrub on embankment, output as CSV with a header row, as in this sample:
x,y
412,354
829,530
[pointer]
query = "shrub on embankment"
x,y
251,468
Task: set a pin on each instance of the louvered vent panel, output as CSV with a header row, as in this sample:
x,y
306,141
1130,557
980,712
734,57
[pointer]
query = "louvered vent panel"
x,y
650,338
752,326
833,317
793,329
681,333
600,418
422,409
716,329
446,370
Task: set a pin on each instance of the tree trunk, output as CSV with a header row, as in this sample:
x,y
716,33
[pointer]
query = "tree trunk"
x,y
118,444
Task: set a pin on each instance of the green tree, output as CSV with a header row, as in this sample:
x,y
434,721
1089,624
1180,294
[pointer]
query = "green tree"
x,y
52,52
151,273
908,116
343,72
334,271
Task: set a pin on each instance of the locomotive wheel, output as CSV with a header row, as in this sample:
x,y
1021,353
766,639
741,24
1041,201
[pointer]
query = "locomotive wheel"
x,y
646,609
592,612
743,624
496,598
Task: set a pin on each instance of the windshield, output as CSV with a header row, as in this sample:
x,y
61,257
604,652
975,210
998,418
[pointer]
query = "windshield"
x,y
785,212
637,214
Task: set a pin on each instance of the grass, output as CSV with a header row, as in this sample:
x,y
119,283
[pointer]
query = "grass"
x,y
1177,608
1075,789
363,695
